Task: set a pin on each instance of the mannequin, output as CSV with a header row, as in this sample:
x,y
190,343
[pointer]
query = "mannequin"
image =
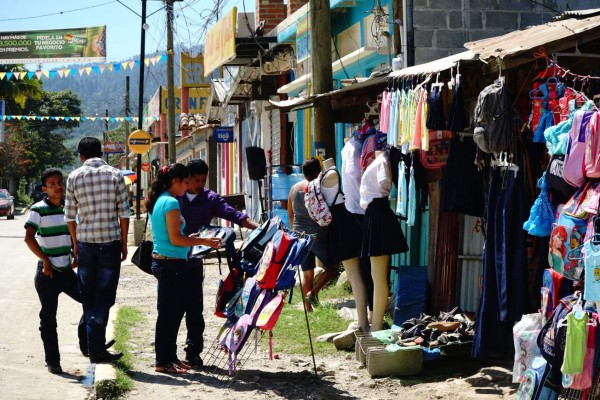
x,y
382,232
330,186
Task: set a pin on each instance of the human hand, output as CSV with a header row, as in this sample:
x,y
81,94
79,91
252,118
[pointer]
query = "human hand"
x,y
123,251
74,263
47,268
215,243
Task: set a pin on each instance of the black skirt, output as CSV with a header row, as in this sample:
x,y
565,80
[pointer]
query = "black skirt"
x,y
344,234
382,234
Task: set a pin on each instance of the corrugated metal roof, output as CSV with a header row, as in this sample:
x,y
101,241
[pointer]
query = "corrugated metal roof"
x,y
439,65
578,14
554,36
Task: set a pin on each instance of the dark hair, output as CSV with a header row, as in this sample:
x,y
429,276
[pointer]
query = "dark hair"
x,y
89,147
197,167
311,168
164,180
50,172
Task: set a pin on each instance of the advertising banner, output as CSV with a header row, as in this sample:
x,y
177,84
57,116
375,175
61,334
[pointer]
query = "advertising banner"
x,y
114,147
57,45
197,98
192,71
303,38
219,46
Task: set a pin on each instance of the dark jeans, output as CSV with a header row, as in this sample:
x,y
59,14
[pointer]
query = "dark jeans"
x,y
99,269
172,276
48,290
194,306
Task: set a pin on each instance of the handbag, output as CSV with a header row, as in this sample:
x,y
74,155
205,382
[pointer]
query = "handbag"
x,y
142,257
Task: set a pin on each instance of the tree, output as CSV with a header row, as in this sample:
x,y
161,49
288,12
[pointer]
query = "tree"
x,y
16,91
12,158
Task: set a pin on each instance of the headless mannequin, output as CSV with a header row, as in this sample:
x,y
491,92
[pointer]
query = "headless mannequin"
x,y
379,272
352,265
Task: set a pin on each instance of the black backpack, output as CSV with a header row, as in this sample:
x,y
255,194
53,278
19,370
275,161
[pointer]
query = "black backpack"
x,y
494,119
552,339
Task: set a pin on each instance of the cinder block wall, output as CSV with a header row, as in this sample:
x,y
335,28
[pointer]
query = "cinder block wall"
x,y
441,27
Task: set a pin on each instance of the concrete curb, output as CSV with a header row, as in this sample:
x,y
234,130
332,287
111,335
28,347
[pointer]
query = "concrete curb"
x,y
105,375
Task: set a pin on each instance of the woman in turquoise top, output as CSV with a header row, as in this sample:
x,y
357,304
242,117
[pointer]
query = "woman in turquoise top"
x,y
169,261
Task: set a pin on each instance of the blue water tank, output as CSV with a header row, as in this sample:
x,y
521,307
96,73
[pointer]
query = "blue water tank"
x,y
280,185
296,175
281,213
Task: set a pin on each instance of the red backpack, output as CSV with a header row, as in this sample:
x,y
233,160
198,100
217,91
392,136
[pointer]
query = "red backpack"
x,y
273,259
439,149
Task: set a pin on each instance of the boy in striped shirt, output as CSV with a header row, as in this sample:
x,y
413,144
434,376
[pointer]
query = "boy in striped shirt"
x,y
48,237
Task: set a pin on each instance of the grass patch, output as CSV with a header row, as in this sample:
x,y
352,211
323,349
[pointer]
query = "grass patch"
x,y
290,335
127,318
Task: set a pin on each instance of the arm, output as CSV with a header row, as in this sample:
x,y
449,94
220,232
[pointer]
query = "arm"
x,y
124,223
290,208
249,223
177,239
36,249
73,231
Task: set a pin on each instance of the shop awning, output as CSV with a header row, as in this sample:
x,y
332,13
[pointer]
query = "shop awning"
x,y
554,36
435,66
294,103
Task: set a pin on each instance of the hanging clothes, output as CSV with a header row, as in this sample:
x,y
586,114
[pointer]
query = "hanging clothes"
x,y
392,137
435,108
384,111
504,293
457,118
412,198
351,173
402,203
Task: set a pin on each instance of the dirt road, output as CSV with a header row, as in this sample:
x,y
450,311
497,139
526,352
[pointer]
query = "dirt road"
x,y
291,376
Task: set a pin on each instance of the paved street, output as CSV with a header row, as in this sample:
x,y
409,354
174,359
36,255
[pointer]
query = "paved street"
x,y
22,372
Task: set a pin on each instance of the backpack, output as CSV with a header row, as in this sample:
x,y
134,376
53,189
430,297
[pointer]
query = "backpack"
x,y
287,277
574,165
554,177
592,147
264,297
270,313
554,288
227,289
273,259
252,248
552,338
315,202
494,119
439,149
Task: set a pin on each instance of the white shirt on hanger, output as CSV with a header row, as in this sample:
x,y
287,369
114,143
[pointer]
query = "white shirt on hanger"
x,y
351,175
376,181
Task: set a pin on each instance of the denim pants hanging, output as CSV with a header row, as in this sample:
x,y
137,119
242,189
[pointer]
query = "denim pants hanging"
x,y
504,293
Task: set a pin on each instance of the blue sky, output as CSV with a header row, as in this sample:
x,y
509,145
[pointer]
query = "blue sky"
x,y
123,25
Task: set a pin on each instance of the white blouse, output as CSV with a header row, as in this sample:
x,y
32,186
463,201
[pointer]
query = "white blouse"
x,y
329,193
376,181
351,175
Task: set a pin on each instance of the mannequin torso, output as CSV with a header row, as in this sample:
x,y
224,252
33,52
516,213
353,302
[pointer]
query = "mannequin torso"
x,y
330,184
330,179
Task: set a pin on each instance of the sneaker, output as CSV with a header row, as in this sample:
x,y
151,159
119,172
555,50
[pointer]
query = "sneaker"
x,y
107,346
105,357
54,368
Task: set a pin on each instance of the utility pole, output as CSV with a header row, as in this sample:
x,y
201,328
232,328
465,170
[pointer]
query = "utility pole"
x,y
170,85
105,133
322,76
138,186
126,122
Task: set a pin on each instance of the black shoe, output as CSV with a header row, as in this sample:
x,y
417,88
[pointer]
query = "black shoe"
x,y
194,360
105,357
54,368
107,345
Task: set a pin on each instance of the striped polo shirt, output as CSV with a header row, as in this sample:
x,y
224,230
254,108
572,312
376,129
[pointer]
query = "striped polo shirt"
x,y
52,233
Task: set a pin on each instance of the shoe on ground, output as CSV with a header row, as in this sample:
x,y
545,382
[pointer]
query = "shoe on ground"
x,y
105,357
194,360
54,368
170,368
107,346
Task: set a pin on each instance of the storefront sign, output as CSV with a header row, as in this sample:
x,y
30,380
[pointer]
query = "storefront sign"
x,y
58,45
223,134
146,167
303,38
192,71
197,99
114,147
219,46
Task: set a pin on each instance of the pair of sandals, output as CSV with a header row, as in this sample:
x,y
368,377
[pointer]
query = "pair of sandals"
x,y
313,300
176,367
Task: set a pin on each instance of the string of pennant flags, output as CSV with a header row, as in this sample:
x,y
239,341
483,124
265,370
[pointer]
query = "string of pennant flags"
x,y
95,70
78,119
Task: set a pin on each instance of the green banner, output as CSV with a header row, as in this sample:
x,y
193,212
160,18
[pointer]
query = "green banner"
x,y
57,45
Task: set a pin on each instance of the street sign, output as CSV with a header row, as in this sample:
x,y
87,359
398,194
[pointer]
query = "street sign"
x,y
140,141
146,167
223,134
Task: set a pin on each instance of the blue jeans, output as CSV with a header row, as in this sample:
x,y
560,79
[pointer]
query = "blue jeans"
x,y
172,276
48,290
99,269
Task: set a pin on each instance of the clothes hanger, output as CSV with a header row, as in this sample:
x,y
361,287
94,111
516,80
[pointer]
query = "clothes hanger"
x,y
500,80
577,53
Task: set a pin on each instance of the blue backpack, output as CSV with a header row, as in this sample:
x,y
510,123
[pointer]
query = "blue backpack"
x,y
287,277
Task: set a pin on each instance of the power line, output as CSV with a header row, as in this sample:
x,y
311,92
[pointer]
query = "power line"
x,y
58,13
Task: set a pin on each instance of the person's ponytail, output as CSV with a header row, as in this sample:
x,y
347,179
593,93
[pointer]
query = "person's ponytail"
x,y
163,181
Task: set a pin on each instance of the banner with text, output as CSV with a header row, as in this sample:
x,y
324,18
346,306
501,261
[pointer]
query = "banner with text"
x,y
219,46
57,45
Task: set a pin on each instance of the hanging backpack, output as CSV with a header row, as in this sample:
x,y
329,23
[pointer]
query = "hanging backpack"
x,y
574,166
554,177
315,202
552,338
273,259
252,248
439,150
592,147
494,119
227,289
